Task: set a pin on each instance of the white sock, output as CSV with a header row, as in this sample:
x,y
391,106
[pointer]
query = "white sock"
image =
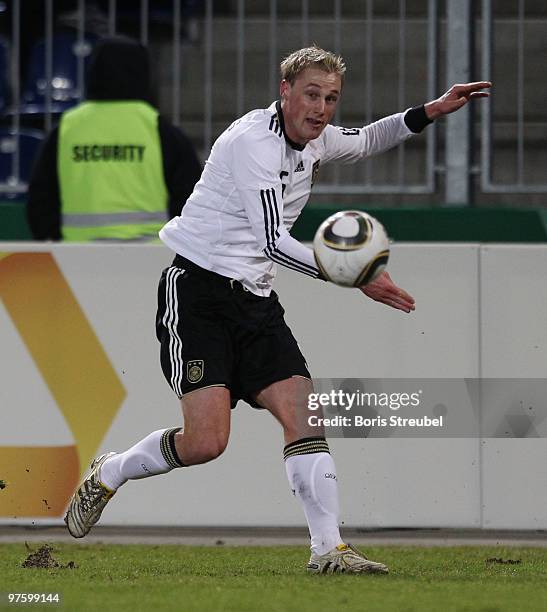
x,y
153,455
313,479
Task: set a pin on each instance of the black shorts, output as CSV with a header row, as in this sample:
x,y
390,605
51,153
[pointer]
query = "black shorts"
x,y
213,332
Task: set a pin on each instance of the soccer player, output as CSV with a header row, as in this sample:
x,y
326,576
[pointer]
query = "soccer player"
x,y
220,325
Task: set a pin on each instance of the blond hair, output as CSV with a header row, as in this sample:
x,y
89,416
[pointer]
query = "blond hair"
x,y
314,57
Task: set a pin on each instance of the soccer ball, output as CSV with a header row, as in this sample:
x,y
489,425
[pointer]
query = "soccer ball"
x,y
351,248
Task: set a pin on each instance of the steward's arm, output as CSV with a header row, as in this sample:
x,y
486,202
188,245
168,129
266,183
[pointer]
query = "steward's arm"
x,y
181,165
43,201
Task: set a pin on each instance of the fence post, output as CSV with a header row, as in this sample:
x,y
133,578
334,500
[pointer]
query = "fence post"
x,y
459,31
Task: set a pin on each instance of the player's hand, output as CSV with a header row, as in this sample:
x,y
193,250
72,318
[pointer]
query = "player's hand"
x,y
456,97
384,290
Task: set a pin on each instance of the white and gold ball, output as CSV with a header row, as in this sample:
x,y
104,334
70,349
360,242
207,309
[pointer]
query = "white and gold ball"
x,y
351,248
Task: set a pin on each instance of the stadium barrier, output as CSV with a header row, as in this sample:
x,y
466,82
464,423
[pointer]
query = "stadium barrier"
x,y
404,224
80,374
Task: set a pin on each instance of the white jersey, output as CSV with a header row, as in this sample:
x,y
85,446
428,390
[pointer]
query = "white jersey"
x,y
254,186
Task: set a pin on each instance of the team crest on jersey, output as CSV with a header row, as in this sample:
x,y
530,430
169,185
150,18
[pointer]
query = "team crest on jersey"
x,y
194,370
314,171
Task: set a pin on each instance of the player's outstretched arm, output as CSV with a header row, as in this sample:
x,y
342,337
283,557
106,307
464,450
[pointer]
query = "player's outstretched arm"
x,y
456,97
384,290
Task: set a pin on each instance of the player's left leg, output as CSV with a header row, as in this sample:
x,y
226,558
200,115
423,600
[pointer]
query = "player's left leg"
x,y
205,436
153,455
312,477
309,465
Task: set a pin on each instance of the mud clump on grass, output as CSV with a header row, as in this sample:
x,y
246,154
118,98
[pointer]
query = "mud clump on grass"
x,y
43,559
503,561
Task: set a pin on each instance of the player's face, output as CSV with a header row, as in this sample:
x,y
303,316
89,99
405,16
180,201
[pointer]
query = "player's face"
x,y
309,103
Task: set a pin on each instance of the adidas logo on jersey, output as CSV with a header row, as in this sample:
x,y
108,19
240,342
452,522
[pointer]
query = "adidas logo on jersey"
x,y
299,167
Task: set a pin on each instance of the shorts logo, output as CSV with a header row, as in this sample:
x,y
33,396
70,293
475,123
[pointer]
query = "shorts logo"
x,y
194,370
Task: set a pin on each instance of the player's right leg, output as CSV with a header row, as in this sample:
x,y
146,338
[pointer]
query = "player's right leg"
x,y
205,436
195,360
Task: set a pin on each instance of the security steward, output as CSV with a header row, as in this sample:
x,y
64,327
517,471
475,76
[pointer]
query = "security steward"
x,y
113,169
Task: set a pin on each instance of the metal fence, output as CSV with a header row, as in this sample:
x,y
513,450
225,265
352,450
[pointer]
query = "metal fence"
x,y
217,59
526,120
367,58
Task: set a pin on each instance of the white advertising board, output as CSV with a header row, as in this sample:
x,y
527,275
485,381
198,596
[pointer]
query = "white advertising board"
x,y
80,375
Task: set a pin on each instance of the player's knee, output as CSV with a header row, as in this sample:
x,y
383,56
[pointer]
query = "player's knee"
x,y
205,450
213,449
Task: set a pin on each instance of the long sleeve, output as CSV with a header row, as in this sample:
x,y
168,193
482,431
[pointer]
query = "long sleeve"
x,y
181,165
43,202
352,144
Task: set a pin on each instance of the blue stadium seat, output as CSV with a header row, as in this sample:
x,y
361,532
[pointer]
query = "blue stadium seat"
x,y
65,90
29,144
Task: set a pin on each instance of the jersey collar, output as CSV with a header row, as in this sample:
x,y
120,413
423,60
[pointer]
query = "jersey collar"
x,y
291,143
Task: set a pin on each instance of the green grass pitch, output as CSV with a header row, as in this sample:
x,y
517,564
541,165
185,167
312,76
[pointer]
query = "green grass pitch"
x,y
204,579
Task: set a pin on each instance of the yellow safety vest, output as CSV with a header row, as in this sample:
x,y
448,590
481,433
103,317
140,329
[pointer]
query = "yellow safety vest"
x,y
110,171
